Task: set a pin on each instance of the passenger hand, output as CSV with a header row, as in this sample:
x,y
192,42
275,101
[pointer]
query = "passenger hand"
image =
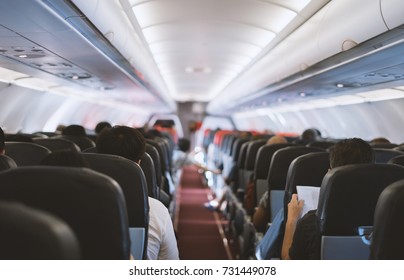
x,y
295,208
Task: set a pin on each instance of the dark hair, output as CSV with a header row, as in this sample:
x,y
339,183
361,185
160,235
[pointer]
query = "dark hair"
x,y
351,151
101,125
310,135
122,141
74,130
2,139
184,144
65,158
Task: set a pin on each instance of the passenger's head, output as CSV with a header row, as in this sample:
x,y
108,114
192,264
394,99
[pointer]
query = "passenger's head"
x,y
74,130
2,141
379,140
122,141
184,144
310,135
64,158
101,125
276,140
351,151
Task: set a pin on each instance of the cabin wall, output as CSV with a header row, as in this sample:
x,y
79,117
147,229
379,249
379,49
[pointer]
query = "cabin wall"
x,y
364,120
27,110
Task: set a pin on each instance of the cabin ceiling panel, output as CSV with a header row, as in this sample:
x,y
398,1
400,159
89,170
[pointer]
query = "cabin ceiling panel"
x,y
210,37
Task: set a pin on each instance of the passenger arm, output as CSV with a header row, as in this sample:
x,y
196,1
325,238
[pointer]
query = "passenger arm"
x,y
295,208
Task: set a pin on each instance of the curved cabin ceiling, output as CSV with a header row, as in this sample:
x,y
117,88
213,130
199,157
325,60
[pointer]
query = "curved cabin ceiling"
x,y
200,47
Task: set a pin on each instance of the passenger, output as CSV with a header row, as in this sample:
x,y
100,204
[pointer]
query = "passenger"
x,y
2,141
74,130
379,140
100,126
306,239
129,143
182,157
308,136
261,216
65,158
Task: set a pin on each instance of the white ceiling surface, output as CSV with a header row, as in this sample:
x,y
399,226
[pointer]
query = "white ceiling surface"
x,y
200,47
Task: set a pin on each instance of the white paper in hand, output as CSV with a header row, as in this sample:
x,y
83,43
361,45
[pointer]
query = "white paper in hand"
x,y
310,196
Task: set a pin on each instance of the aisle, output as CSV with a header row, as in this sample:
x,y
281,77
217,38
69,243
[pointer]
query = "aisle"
x,y
198,229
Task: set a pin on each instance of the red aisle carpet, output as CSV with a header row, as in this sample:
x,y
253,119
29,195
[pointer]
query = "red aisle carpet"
x,y
198,232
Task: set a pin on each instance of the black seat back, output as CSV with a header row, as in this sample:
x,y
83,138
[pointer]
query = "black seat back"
x,y
30,234
388,229
305,170
130,178
280,163
25,154
397,160
384,155
154,154
6,162
82,141
349,194
91,203
55,144
147,166
252,151
321,144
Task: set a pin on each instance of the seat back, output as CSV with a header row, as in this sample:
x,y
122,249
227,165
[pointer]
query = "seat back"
x,y
277,174
261,167
130,178
147,166
6,162
55,144
154,154
399,160
384,155
384,145
306,170
280,163
82,141
388,229
349,194
30,234
251,155
91,203
25,154
321,144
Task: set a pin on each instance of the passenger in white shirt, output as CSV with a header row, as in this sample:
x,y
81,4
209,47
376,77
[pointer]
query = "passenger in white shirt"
x,y
129,143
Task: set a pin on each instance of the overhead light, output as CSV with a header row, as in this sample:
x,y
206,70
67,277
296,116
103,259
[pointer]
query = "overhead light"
x,y
302,94
340,85
22,56
194,69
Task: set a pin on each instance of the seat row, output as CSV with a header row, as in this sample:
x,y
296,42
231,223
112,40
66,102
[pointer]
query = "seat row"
x,y
103,206
279,168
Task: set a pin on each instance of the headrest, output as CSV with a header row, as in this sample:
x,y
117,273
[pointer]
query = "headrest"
x,y
252,150
384,145
82,141
130,178
306,170
321,144
6,163
384,155
25,154
237,147
349,194
263,159
91,203
55,144
399,160
30,234
280,162
243,155
388,228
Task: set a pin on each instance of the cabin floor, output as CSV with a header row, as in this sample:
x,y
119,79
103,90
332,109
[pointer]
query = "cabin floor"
x,y
200,231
